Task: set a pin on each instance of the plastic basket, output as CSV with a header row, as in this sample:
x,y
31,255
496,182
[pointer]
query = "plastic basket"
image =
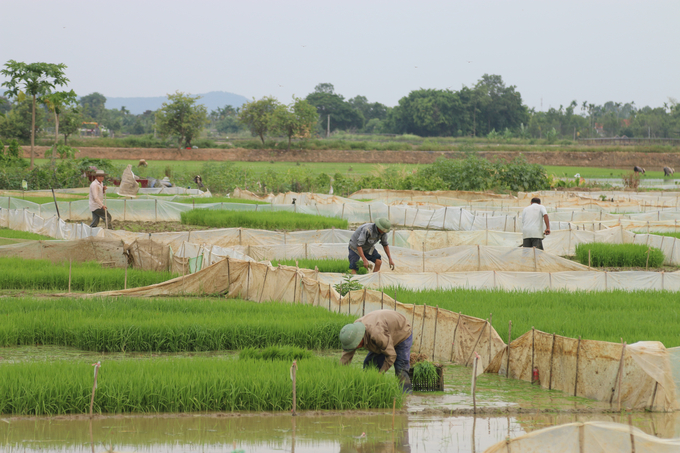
x,y
428,386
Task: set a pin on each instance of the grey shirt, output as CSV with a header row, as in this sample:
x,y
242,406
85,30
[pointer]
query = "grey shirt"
x,y
366,236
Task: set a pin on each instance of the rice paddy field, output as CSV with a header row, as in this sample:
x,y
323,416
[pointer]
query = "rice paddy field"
x,y
44,275
324,265
265,220
597,254
605,316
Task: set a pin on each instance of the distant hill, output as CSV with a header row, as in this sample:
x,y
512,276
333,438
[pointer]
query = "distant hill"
x,y
211,100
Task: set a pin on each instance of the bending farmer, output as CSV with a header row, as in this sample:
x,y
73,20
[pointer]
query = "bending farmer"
x,y
387,336
97,206
533,218
362,245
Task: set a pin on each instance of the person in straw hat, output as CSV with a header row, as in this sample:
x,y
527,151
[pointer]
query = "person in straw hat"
x,y
363,241
97,206
388,337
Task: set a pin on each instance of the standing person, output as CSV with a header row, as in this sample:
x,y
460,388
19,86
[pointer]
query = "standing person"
x,y
363,241
388,337
533,218
97,206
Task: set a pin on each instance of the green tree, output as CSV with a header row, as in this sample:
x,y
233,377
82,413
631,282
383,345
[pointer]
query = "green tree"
x,y
70,122
343,115
57,102
370,110
17,123
430,113
94,106
181,117
258,116
296,120
32,79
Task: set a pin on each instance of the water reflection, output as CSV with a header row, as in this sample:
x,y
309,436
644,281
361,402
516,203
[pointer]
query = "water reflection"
x,y
267,433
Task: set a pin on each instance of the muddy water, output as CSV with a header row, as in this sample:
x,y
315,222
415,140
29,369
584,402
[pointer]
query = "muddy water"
x,y
312,432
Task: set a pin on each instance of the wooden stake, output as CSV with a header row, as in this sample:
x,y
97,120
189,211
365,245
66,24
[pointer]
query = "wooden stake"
x,y
474,384
70,264
434,341
422,328
647,265
552,355
533,349
616,381
455,330
507,366
124,283
94,385
293,376
477,342
382,299
363,304
578,352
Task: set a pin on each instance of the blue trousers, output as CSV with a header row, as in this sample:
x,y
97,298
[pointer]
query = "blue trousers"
x,y
403,362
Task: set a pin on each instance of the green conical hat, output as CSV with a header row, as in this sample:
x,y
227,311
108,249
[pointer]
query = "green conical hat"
x,y
383,224
351,335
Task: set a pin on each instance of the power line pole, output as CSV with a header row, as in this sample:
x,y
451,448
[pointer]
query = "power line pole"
x,y
328,127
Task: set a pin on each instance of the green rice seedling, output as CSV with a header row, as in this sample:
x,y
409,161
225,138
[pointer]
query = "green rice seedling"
x,y
618,255
425,372
14,234
191,385
670,235
324,265
167,325
606,316
288,353
265,220
19,273
218,200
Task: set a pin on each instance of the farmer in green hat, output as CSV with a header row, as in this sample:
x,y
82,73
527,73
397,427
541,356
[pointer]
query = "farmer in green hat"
x,y
388,337
363,241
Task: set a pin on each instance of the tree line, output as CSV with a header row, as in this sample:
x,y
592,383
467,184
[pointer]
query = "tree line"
x,y
35,98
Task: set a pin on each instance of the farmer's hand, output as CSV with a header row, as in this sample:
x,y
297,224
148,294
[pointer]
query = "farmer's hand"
x,y
104,207
391,264
547,231
104,189
366,264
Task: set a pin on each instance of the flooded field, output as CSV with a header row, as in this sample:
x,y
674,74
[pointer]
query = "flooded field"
x,y
310,432
429,422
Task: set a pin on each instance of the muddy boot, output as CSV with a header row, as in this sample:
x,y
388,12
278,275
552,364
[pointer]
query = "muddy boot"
x,y
406,386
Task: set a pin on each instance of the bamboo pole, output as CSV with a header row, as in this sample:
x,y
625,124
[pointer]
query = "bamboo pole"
x,y
507,366
552,355
434,341
477,342
422,327
455,331
363,304
94,385
578,352
293,377
647,264
533,350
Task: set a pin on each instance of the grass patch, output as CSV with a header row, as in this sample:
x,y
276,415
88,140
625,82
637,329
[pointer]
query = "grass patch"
x,y
265,220
670,235
217,200
166,325
327,265
618,255
191,385
20,273
14,234
287,353
607,316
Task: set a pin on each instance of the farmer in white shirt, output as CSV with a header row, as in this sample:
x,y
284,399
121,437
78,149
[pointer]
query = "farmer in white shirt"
x,y
97,206
533,218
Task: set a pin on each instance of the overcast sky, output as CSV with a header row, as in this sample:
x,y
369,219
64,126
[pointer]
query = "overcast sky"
x,y
553,51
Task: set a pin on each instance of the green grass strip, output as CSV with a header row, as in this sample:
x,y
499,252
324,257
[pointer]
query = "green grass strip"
x,y
14,234
288,353
618,255
191,385
166,325
264,220
324,265
20,273
218,200
606,316
670,235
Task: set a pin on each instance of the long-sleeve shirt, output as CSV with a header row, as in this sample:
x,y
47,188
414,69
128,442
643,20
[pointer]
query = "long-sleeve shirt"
x,y
366,236
384,330
96,195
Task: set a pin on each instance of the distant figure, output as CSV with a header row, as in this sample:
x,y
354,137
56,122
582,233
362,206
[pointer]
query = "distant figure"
x,y
142,163
199,181
637,169
534,217
668,171
96,199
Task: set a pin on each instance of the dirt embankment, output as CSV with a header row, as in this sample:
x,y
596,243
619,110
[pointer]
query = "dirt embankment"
x,y
581,158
